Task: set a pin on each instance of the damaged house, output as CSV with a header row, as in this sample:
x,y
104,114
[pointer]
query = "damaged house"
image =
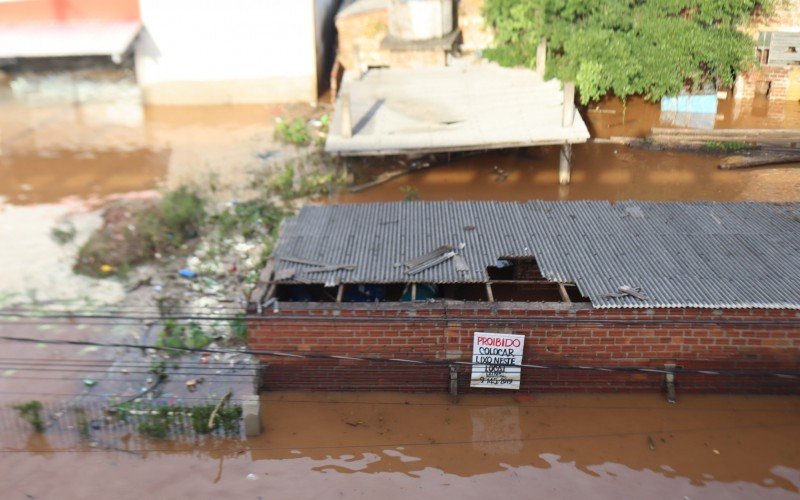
x,y
633,285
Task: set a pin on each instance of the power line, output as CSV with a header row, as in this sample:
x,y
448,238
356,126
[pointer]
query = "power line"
x,y
395,360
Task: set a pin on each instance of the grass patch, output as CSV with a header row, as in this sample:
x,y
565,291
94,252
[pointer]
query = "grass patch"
x,y
294,131
165,421
134,233
31,412
180,336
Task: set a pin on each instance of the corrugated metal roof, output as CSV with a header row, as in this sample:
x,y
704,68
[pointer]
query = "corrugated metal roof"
x,y
701,254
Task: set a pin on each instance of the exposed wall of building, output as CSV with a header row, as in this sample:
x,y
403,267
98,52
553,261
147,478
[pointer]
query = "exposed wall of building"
x,y
783,82
324,40
68,10
474,33
562,334
240,51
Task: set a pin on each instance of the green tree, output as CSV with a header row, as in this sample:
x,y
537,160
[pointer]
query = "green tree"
x,y
625,47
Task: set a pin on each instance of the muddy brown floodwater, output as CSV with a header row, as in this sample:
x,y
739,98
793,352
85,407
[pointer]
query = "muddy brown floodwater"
x,y
398,446
600,172
61,160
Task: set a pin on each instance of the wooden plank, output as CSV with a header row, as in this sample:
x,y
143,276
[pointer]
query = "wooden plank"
x,y
564,295
752,132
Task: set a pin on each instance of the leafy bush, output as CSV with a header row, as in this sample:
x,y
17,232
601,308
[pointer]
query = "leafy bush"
x,y
626,47
293,132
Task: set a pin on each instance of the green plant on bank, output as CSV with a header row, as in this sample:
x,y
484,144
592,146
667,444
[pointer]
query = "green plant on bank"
x,y
301,132
181,336
319,180
239,329
410,193
84,428
162,421
727,147
31,411
293,131
63,233
651,48
138,233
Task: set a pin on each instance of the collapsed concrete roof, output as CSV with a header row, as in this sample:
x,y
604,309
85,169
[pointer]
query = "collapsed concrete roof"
x,y
702,254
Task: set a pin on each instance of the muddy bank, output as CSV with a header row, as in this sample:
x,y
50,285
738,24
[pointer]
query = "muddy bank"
x,y
389,445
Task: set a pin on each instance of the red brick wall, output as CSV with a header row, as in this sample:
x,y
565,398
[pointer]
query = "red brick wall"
x,y
559,334
778,76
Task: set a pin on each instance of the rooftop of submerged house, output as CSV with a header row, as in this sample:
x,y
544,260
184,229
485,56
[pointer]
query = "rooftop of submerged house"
x,y
629,254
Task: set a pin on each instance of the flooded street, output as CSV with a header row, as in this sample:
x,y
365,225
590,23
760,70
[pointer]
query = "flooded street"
x,y
394,445
63,161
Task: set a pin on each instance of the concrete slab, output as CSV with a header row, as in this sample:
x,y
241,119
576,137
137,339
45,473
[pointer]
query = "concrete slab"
x,y
405,111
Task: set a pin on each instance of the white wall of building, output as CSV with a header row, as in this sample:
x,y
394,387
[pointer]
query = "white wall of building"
x,y
227,51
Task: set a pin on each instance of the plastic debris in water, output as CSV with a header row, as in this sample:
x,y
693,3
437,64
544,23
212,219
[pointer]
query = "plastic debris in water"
x,y
89,382
252,477
187,273
105,268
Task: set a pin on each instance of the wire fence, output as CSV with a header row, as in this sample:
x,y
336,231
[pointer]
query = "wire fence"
x,y
99,423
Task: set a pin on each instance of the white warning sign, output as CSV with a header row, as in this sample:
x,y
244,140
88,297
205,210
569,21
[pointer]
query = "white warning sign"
x,y
495,355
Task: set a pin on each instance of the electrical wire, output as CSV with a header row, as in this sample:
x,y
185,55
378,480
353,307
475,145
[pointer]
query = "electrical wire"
x,y
397,360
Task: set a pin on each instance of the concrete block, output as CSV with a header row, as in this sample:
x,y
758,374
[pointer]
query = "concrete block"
x,y
251,415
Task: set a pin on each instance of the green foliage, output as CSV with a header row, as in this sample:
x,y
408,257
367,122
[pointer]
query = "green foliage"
x,y
410,193
32,412
180,336
249,218
294,131
82,421
239,329
134,234
182,213
727,147
163,421
626,47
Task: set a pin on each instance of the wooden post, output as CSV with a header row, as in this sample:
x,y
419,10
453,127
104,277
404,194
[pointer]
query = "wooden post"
x,y
489,293
669,381
564,295
567,118
347,120
339,293
565,164
568,115
454,383
413,292
541,58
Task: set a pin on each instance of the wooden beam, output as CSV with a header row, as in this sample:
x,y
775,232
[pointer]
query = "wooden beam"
x,y
340,293
565,164
541,58
564,295
489,293
568,115
346,123
413,292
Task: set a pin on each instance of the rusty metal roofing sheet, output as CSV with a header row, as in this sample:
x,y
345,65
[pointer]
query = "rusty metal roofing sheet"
x,y
701,254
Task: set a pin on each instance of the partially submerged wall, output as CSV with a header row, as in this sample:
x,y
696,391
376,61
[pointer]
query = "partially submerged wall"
x,y
556,334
